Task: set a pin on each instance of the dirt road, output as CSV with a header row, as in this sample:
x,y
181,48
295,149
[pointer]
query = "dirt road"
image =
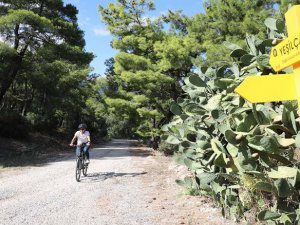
x,y
124,186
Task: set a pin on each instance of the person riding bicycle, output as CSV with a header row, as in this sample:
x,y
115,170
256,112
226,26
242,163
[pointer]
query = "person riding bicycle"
x,y
83,141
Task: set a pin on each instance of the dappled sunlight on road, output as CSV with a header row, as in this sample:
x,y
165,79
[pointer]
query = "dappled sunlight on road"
x,y
115,148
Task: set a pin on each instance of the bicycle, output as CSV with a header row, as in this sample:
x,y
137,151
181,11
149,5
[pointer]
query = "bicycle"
x,y
81,165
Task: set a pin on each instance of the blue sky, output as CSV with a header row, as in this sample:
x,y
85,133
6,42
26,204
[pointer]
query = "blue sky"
x,y
98,38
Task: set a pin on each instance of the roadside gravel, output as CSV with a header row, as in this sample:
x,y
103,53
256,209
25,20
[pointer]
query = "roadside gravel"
x,y
124,186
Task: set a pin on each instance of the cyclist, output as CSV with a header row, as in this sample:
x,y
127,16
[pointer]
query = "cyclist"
x,y
83,140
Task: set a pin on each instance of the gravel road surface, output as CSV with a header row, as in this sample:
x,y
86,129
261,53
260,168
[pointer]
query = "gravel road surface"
x,y
120,189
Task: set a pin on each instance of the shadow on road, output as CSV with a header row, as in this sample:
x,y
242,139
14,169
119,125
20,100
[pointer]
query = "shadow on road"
x,y
114,149
97,177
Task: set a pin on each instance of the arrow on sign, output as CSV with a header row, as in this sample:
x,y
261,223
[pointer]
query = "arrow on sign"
x,y
282,87
269,88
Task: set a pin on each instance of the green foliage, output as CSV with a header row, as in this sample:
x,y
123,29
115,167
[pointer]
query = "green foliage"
x,y
240,153
153,60
228,21
13,126
147,69
166,148
8,22
44,68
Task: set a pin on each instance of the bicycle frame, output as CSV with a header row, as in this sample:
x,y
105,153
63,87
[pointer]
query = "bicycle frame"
x,y
80,164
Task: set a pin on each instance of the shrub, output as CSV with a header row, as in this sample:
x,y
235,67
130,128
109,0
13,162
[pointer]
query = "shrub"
x,y
166,148
241,154
13,126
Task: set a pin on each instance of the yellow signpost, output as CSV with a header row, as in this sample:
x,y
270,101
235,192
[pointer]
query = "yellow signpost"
x,y
268,88
283,87
286,53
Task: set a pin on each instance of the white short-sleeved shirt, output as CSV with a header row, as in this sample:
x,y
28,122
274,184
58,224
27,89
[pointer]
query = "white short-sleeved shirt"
x,y
82,137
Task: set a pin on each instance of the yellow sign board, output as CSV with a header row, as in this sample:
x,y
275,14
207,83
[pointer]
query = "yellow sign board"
x,y
270,88
283,87
286,53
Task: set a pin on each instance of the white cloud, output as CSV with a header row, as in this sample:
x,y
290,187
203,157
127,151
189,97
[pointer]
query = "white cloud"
x,y
101,32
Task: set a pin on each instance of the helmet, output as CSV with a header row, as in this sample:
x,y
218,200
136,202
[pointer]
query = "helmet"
x,y
82,126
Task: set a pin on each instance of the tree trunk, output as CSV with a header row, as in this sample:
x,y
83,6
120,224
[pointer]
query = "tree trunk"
x,y
16,65
24,107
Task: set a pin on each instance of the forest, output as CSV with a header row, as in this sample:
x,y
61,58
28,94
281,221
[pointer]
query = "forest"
x,y
170,84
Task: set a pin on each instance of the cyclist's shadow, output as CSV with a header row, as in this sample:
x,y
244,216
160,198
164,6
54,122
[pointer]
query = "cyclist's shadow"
x,y
97,177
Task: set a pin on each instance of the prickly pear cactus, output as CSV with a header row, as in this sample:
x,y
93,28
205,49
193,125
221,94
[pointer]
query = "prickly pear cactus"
x,y
240,153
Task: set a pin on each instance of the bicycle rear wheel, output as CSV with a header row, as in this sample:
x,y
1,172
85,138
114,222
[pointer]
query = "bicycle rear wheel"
x,y
78,169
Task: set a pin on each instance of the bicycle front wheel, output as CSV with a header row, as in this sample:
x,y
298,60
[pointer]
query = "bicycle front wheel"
x,y
85,167
78,168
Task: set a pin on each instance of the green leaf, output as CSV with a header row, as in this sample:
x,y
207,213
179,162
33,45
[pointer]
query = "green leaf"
x,y
217,188
180,100
284,188
203,69
285,219
191,137
214,102
188,181
235,70
231,46
237,53
180,182
206,179
247,59
264,143
245,159
286,142
280,26
197,81
267,43
263,61
293,120
176,109
185,144
279,128
221,160
233,151
265,160
173,140
194,108
223,83
217,146
279,158
267,215
271,23
231,137
248,124
297,140
264,186
283,172
221,72
184,116
188,162
251,44
218,115
223,127
165,129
